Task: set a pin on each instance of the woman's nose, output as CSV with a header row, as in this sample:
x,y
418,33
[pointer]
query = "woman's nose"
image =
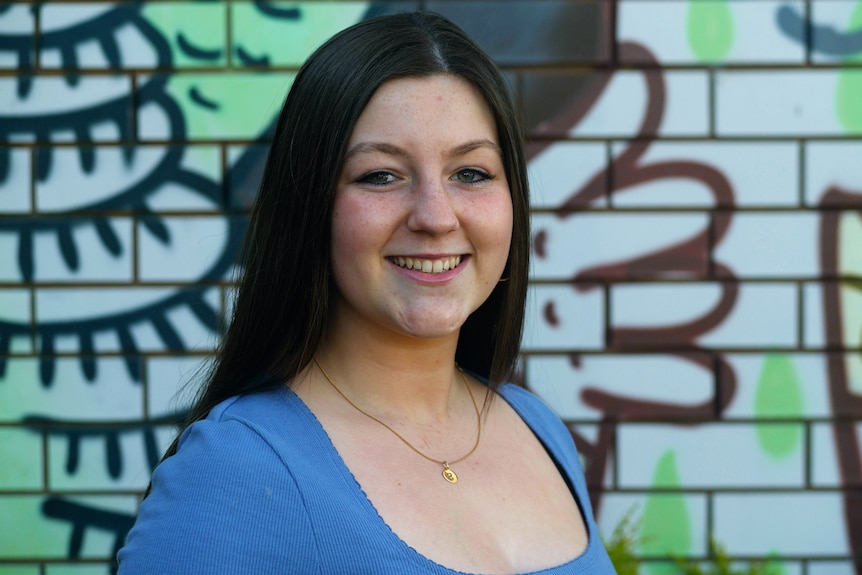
x,y
433,210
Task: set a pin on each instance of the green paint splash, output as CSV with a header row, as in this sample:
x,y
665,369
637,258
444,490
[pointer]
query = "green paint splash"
x,y
665,523
779,395
710,29
849,92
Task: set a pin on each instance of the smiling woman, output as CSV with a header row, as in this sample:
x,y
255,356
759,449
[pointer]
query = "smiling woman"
x,y
423,180
382,303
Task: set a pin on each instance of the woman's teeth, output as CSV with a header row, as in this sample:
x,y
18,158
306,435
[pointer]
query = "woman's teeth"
x,y
428,266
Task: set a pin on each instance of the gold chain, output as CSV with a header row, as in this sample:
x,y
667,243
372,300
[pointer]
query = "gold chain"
x,y
448,473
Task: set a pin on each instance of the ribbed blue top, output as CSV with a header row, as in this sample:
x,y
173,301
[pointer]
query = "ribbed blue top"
x,y
257,487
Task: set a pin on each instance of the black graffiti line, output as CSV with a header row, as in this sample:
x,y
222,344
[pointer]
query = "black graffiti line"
x,y
201,100
99,28
83,517
195,52
116,111
282,13
150,94
63,226
120,323
70,119
75,433
824,39
247,59
134,198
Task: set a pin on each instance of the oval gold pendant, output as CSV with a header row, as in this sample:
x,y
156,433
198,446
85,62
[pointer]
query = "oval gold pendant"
x,y
449,475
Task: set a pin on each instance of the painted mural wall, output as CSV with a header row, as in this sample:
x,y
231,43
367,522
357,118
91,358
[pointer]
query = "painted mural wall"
x,y
696,305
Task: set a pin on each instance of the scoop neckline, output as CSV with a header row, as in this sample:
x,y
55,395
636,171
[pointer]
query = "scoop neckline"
x,y
408,550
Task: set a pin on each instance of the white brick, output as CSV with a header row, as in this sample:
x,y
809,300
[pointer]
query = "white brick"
x,y
70,187
92,472
771,245
810,373
95,262
664,27
562,169
829,164
74,307
825,460
52,95
195,244
764,315
842,330
560,317
831,568
708,456
777,102
111,396
668,380
18,20
10,271
172,383
15,187
623,104
22,458
78,304
760,174
15,305
814,328
578,242
803,523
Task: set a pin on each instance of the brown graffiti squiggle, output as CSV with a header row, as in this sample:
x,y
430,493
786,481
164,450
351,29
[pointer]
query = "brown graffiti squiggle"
x,y
844,403
689,256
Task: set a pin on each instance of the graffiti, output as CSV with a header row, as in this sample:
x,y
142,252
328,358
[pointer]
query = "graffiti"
x,y
846,402
688,257
83,517
824,39
132,140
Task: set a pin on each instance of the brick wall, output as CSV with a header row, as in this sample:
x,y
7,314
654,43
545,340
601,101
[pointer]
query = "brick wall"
x,y
695,313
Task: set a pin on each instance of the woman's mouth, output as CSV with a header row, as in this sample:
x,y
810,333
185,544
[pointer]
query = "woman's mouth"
x,y
428,266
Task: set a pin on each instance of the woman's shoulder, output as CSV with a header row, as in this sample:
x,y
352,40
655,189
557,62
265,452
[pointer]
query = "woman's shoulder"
x,y
527,403
541,418
226,475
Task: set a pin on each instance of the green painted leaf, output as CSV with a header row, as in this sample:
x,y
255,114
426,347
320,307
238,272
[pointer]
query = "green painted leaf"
x,y
710,29
849,92
665,523
779,395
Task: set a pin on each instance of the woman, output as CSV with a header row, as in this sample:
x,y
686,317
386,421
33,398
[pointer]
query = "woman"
x,y
337,433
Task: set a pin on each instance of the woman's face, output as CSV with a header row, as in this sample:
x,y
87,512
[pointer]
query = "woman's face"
x,y
422,219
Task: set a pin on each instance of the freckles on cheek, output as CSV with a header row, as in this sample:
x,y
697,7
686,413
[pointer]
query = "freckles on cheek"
x,y
353,223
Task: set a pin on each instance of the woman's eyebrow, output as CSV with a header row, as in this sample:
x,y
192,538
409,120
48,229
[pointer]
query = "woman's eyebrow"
x,y
369,147
392,150
474,145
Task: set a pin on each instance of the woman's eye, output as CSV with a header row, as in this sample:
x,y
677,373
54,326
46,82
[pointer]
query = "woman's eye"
x,y
471,176
377,178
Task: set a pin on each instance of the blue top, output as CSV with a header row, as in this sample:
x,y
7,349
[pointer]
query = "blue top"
x,y
257,487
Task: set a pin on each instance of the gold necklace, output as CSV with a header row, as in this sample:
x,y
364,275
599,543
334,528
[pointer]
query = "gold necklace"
x,y
448,474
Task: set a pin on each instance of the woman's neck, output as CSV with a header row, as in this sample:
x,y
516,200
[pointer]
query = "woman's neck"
x,y
393,374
